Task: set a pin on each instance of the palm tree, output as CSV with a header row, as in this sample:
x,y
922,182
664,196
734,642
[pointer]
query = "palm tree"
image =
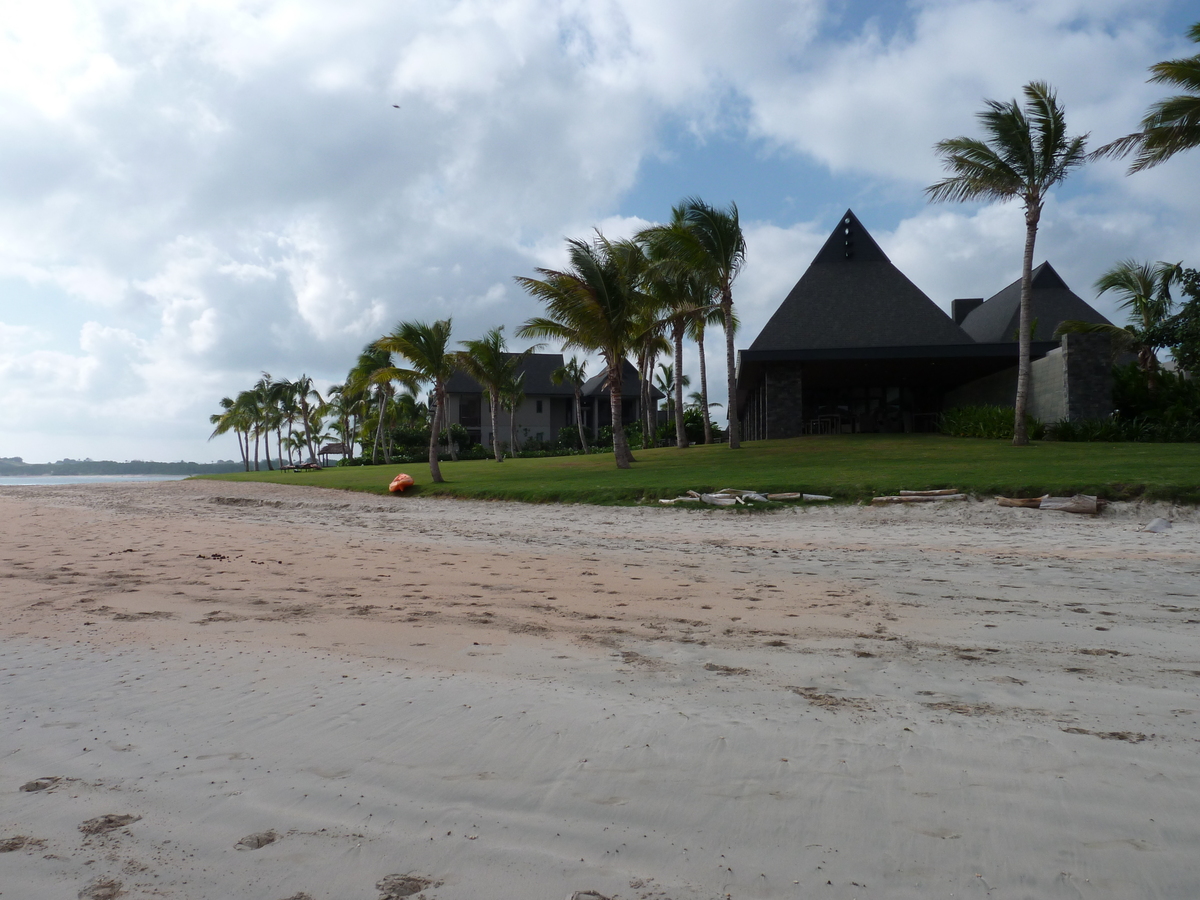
x,y
512,395
673,386
232,419
575,372
305,392
1145,292
488,361
704,317
375,369
427,348
1026,153
708,242
592,305
1170,125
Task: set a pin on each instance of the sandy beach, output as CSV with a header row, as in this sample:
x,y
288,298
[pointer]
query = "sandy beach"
x,y
218,690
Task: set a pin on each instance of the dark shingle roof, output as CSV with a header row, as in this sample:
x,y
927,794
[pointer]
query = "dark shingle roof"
x,y
537,368
630,384
997,320
852,296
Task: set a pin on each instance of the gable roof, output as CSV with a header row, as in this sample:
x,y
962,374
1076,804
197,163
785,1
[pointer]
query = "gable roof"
x,y
852,296
997,320
537,368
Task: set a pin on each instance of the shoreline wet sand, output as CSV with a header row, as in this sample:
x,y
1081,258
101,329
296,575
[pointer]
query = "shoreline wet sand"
x,y
510,701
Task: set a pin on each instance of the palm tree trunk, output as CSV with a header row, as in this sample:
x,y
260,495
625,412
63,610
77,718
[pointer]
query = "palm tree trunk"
x,y
730,367
649,425
681,440
704,389
579,419
256,436
378,426
450,448
1024,365
512,431
435,470
621,451
244,448
494,406
312,456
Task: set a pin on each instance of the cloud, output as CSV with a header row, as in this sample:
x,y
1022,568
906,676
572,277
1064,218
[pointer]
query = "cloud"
x,y
196,192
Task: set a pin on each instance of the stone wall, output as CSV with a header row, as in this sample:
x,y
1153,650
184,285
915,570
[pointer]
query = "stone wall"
x,y
1073,382
785,409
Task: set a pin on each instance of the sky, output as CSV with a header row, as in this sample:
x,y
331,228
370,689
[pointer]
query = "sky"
x,y
193,193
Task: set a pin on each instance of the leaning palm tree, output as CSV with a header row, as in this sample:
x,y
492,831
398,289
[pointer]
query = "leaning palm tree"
x,y
1170,125
427,348
709,242
1027,152
232,419
1144,290
591,305
575,372
488,361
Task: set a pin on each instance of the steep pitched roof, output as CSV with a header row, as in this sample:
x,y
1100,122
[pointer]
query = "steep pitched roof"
x,y
852,295
537,368
997,319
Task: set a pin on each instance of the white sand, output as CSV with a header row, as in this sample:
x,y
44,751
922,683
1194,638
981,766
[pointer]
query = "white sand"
x,y
520,701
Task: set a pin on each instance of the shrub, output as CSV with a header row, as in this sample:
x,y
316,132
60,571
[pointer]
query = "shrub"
x,y
994,422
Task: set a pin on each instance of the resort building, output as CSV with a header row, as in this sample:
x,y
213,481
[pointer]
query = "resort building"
x,y
547,407
857,347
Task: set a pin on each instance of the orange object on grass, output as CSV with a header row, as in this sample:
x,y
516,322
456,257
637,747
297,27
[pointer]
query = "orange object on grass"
x,y
400,482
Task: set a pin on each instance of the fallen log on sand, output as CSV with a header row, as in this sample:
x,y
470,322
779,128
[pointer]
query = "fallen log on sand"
x,y
1021,502
916,498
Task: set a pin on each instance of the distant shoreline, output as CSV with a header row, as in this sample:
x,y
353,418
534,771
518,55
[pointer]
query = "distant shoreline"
x,y
82,467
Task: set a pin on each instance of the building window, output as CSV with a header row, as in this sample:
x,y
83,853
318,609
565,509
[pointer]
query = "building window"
x,y
541,435
539,409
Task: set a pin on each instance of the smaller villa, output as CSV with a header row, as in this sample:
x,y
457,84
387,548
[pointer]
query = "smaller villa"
x,y
547,407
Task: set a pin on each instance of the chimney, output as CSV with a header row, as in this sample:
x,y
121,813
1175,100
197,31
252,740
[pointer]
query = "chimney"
x,y
960,309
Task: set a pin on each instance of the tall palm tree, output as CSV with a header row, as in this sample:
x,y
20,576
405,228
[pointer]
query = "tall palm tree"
x,y
488,361
704,317
426,346
575,372
1171,125
310,401
592,305
1026,152
1144,290
709,242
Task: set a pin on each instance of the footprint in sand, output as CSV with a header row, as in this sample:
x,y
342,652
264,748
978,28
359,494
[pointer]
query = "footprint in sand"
x,y
257,840
101,890
394,887
109,822
21,842
45,783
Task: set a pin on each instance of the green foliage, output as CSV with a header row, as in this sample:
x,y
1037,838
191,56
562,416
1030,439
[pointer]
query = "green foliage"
x,y
849,467
1174,400
986,422
1182,331
1123,430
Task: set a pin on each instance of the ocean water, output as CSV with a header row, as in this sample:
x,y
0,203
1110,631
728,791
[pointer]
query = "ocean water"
x,y
7,480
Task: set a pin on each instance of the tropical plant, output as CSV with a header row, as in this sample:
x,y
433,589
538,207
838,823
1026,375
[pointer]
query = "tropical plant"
x,y
673,386
488,361
574,372
1027,151
512,396
232,418
592,306
1144,291
310,401
427,348
707,244
1171,125
1182,331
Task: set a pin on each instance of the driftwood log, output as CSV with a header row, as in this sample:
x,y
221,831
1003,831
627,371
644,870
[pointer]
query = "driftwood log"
x,y
916,498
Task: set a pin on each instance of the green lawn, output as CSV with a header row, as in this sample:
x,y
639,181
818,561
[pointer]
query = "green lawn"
x,y
849,467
